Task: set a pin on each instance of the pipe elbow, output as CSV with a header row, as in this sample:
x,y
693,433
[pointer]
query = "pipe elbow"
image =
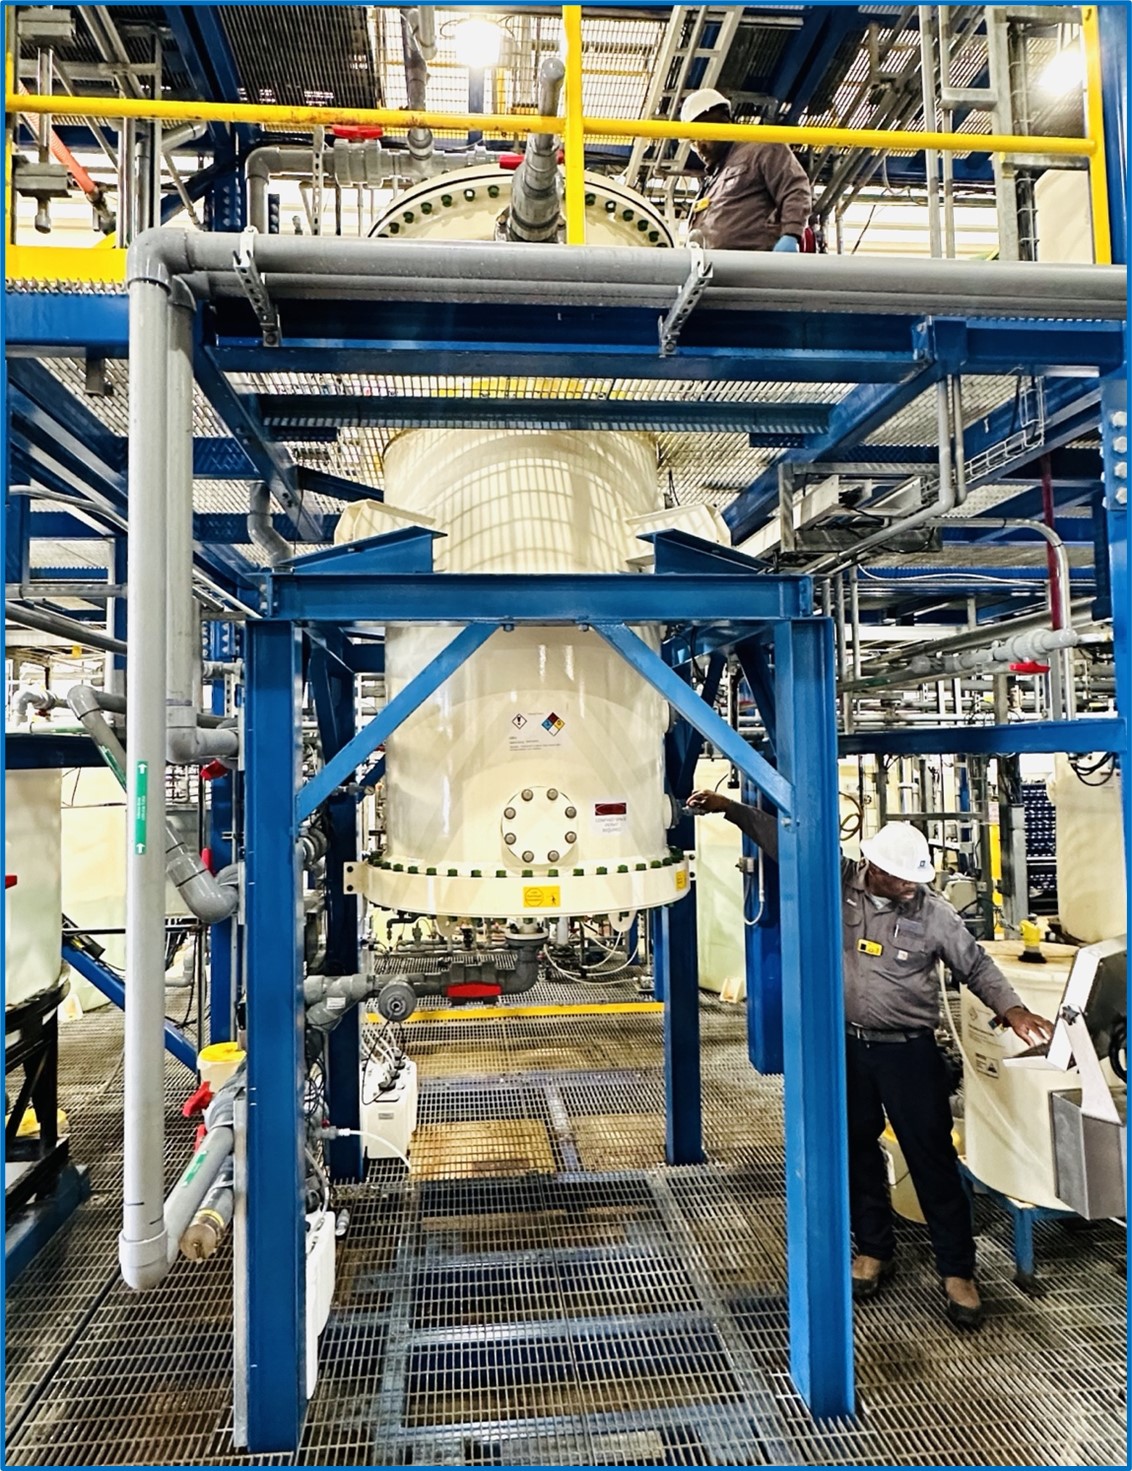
x,y
144,1263
262,163
185,745
156,256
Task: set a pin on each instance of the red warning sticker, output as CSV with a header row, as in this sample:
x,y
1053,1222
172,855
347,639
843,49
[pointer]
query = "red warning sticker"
x,y
611,809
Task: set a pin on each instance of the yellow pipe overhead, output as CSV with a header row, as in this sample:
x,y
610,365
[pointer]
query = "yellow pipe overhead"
x,y
1094,127
574,136
306,118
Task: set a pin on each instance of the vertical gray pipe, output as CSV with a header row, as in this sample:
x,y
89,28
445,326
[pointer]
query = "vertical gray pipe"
x,y
928,70
142,1244
183,631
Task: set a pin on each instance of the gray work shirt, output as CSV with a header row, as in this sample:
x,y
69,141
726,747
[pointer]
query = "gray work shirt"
x,y
899,988
759,193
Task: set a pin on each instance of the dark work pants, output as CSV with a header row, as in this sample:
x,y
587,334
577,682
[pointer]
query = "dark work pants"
x,y
909,1082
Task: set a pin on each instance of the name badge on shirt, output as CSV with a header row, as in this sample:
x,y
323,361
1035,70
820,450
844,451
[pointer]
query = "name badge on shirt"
x,y
870,947
700,205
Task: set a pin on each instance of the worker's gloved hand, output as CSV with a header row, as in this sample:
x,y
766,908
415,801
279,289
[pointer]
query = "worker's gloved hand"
x,y
1033,1029
787,243
705,801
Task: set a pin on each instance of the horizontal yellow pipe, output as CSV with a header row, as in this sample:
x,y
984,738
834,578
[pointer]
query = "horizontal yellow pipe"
x,y
83,265
304,118
517,1013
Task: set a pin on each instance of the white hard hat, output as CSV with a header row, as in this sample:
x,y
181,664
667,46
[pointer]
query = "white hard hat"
x,y
901,850
697,103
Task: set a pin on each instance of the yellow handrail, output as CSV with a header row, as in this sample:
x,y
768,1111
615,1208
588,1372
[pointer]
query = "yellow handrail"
x,y
305,118
1094,127
574,138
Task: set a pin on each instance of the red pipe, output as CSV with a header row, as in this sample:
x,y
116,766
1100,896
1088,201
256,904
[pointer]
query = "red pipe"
x,y
1051,559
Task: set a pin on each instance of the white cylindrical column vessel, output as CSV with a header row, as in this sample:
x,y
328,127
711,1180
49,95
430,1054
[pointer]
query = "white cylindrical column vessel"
x,y
1091,895
533,780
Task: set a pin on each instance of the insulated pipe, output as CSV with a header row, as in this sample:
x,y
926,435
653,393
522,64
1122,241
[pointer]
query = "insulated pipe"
x,y
473,271
261,528
142,1245
534,190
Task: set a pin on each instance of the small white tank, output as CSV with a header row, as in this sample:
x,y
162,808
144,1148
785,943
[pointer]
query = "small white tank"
x,y
1092,899
1006,1109
33,905
719,895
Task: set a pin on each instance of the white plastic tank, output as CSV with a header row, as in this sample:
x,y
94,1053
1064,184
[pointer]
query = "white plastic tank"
x,y
1006,1109
533,779
719,894
33,904
1092,899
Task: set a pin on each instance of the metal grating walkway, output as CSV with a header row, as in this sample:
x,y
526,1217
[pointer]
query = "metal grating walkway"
x,y
544,1291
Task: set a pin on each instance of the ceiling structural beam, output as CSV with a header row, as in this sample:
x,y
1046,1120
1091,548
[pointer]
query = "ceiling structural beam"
x,y
208,58
319,482
283,413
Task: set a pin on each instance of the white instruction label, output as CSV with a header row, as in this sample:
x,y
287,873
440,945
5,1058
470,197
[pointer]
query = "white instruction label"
x,y
536,730
988,1066
610,816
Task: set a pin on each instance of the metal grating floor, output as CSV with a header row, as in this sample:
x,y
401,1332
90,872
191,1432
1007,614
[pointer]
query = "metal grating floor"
x,y
544,1291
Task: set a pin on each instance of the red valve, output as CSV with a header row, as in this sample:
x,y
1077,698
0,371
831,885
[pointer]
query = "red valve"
x,y
213,771
356,133
473,990
508,160
197,1102
10,881
206,859
1029,666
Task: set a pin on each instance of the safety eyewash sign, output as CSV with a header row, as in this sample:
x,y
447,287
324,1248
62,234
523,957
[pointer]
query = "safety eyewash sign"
x,y
536,730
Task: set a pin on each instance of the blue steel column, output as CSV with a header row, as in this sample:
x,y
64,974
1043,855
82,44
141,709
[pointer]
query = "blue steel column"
x,y
276,1266
1113,21
1117,436
676,982
221,819
817,1204
762,945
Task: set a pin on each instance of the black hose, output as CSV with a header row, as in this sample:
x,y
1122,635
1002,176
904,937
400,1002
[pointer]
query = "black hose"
x,y
1118,1044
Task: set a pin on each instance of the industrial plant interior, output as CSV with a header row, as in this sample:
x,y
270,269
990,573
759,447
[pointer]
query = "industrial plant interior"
x,y
459,461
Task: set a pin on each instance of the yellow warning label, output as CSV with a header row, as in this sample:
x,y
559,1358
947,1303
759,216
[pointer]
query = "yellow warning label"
x,y
681,879
542,896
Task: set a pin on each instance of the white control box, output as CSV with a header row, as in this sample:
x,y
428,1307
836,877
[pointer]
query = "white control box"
x,y
389,1109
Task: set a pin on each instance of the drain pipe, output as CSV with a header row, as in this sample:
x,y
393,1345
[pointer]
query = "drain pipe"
x,y
416,84
261,528
534,191
142,1251
186,743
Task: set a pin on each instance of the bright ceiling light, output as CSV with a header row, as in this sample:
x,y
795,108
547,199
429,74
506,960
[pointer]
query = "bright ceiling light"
x,y
1063,73
478,44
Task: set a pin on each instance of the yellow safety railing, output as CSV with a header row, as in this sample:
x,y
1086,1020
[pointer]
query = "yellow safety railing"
x,y
576,127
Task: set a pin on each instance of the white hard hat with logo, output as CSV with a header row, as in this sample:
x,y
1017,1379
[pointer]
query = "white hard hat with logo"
x,y
901,850
703,100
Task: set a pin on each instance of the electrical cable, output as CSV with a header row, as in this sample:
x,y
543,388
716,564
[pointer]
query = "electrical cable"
x,y
1118,1044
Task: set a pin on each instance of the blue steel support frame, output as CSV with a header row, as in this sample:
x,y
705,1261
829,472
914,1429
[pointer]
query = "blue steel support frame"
x,y
177,1043
813,1025
223,970
762,948
275,1255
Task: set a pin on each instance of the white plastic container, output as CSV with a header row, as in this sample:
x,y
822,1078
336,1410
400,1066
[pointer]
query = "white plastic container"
x,y
33,905
719,896
533,779
1092,900
320,1262
388,1114
1008,1140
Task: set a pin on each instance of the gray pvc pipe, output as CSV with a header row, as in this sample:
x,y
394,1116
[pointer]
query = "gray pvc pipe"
x,y
142,1244
261,528
472,271
70,628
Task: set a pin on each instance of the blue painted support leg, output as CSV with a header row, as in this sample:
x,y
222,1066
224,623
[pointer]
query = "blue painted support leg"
x,y
658,944
222,951
817,1203
674,939
763,949
1024,1267
276,1266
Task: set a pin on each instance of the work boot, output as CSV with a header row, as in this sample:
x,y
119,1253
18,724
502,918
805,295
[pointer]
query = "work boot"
x,y
964,1305
868,1273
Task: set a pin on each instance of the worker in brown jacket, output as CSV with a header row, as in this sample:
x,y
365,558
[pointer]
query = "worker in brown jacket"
x,y
755,196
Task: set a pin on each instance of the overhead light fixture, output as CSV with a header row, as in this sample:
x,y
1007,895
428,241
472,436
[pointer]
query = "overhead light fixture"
x,y
1063,73
478,44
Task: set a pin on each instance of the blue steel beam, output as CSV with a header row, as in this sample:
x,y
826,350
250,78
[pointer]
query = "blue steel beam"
x,y
17,536
651,667
40,387
1024,737
813,1022
318,482
682,770
1115,428
551,598
282,413
275,1249
350,756
177,1043
1113,21
46,324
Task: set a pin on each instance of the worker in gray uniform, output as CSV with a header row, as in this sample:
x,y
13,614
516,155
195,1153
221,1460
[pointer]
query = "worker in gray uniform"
x,y
895,931
755,196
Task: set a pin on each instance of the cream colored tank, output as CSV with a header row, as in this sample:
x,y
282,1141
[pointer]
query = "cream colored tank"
x,y
533,779
1092,900
1006,1109
33,904
719,895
